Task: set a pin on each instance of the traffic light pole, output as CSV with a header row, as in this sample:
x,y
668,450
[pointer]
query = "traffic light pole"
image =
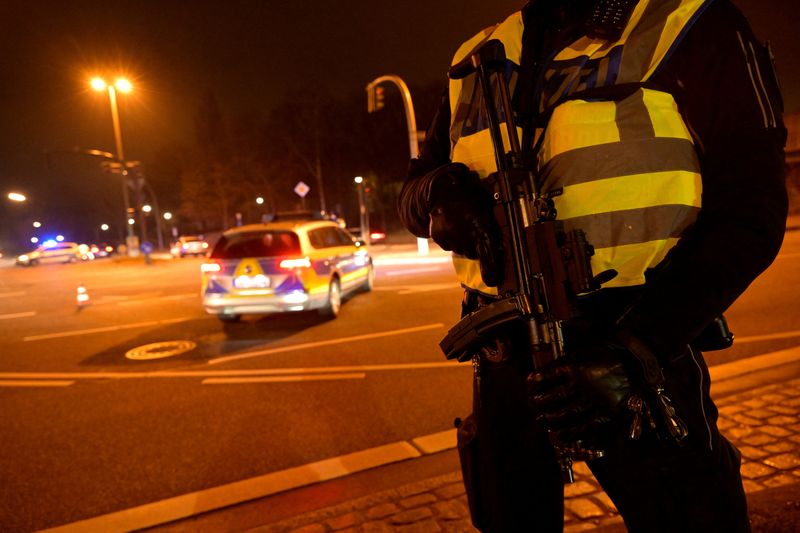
x,y
375,102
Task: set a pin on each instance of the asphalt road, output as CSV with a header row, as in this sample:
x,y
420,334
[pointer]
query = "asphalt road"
x,y
86,430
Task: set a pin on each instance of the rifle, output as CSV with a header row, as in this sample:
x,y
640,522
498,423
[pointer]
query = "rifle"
x,y
544,266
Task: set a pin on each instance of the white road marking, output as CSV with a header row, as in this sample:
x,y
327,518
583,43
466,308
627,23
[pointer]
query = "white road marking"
x,y
410,271
282,379
422,260
106,329
171,374
35,383
140,301
317,344
422,287
768,337
12,294
17,315
187,505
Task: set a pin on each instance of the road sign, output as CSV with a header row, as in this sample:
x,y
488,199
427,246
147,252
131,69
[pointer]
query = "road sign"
x,y
301,189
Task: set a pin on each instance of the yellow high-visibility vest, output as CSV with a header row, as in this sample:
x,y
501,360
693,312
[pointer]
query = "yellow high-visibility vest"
x,y
627,167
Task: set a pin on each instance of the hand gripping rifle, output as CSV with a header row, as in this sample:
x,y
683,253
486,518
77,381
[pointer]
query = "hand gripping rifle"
x,y
544,267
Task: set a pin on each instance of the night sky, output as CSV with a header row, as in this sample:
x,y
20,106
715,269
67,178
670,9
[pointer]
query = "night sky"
x,y
248,53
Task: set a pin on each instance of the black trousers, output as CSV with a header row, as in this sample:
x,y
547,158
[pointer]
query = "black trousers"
x,y
514,482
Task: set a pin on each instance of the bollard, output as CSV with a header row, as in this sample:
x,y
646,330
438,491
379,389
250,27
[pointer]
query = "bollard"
x,y
82,298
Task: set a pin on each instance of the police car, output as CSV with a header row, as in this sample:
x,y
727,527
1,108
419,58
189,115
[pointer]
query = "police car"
x,y
284,266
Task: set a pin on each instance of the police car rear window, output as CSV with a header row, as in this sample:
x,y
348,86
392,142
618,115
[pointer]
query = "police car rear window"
x,y
256,244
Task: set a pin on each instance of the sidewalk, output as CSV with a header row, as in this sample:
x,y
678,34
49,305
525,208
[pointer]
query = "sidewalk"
x,y
759,403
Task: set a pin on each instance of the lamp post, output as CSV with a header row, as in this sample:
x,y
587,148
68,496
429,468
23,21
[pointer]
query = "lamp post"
x,y
123,85
363,214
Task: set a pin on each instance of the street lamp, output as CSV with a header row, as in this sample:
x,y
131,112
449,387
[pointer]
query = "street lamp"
x,y
363,215
122,85
16,197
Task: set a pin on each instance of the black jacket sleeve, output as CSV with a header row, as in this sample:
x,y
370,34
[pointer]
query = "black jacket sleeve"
x,y
413,203
724,83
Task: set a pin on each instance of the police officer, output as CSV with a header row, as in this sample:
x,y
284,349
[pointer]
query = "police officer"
x,y
658,123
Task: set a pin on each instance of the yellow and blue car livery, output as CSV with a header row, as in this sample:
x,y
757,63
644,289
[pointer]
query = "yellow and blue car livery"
x,y
284,266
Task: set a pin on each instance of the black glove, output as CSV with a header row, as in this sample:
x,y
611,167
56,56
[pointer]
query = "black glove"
x,y
461,219
585,400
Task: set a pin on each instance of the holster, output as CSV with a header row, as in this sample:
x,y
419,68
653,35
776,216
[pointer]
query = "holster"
x,y
715,336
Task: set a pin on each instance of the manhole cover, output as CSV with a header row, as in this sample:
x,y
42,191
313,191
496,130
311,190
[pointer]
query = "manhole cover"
x,y
160,350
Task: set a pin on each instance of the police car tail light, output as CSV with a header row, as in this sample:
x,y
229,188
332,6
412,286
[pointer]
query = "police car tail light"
x,y
210,267
291,264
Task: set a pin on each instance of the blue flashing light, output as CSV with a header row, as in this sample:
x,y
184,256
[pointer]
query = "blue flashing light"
x,y
49,243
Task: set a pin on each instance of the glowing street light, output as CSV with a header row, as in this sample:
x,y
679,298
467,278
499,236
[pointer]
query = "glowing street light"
x,y
125,86
16,197
37,224
34,240
60,238
104,227
167,215
147,208
260,200
131,222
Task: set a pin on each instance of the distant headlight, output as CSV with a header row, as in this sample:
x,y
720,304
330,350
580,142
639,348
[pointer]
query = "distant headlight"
x,y
23,258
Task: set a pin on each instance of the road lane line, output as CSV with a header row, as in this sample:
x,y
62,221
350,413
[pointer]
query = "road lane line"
x,y
413,271
768,337
422,260
140,301
12,294
317,344
281,379
167,374
194,503
107,329
35,383
422,287
17,315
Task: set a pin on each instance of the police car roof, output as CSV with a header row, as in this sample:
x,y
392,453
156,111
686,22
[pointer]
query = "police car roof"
x,y
286,225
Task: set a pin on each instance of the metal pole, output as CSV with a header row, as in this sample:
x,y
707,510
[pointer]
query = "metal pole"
x,y
411,121
362,213
158,215
112,97
408,106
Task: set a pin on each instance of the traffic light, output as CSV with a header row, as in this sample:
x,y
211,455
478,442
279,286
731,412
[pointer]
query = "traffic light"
x,y
374,99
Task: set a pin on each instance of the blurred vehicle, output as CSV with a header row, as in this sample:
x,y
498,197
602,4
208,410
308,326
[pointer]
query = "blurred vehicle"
x,y
53,252
284,266
189,245
102,250
376,236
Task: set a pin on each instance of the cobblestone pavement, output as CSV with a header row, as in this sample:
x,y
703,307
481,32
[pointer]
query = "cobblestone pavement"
x,y
764,423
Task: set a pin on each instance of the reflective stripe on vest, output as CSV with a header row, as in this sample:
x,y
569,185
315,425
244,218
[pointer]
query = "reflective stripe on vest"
x,y
630,178
628,169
